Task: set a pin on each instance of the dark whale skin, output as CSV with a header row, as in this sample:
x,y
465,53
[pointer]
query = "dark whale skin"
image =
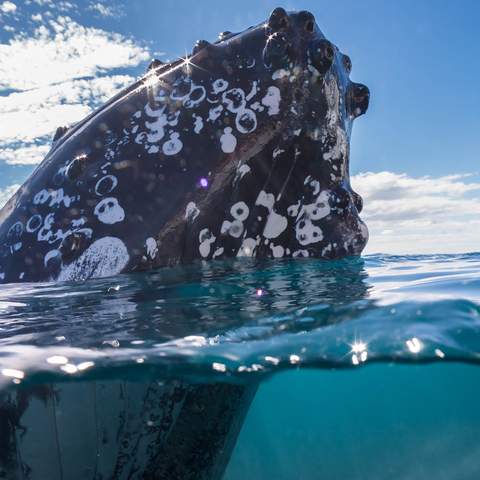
x,y
241,149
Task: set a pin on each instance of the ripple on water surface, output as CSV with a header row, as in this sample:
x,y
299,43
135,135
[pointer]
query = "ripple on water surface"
x,y
238,320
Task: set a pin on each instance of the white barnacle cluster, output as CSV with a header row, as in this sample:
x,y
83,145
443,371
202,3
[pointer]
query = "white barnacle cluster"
x,y
191,212
333,135
239,212
105,257
155,126
305,214
152,247
276,223
108,210
53,198
205,238
44,227
242,170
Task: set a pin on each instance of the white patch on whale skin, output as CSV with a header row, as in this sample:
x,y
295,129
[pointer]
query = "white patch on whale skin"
x,y
104,183
188,102
240,211
315,184
219,85
34,223
109,211
219,251
157,130
206,239
106,257
327,249
45,232
292,210
198,125
257,107
15,232
277,152
152,248
50,255
300,253
272,100
265,199
278,74
307,233
242,170
172,146
214,113
253,91
2,275
153,149
191,211
234,229
234,100
246,121
228,141
320,209
277,250
247,248
56,197
276,224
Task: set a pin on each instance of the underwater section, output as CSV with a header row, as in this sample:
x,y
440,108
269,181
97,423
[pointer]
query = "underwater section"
x,y
286,369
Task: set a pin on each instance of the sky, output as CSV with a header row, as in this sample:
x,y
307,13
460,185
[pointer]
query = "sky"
x,y
415,155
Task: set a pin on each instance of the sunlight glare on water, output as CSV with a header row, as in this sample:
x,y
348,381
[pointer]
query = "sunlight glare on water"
x,y
236,320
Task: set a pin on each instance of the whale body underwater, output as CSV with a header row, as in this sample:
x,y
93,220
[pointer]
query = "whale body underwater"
x,y
240,149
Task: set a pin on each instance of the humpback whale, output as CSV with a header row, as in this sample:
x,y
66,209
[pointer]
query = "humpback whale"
x,y
239,149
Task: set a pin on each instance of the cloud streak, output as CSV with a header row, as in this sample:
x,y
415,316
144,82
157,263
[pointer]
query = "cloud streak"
x,y
30,115
63,50
75,70
420,214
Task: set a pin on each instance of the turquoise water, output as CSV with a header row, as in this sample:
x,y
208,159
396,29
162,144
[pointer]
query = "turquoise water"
x,y
360,368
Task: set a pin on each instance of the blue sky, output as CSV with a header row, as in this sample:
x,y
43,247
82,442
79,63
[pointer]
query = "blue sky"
x,y
415,155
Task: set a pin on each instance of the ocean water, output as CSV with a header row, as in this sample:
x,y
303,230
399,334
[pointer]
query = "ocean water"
x,y
364,368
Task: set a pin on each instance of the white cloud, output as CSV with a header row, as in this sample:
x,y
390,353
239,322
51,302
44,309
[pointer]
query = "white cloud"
x,y
420,215
6,193
30,115
24,155
8,7
104,10
60,74
64,50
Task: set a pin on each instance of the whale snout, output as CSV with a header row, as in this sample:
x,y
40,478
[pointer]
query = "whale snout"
x,y
346,233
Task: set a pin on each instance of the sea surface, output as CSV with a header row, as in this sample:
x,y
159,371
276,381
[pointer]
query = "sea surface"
x,y
364,368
